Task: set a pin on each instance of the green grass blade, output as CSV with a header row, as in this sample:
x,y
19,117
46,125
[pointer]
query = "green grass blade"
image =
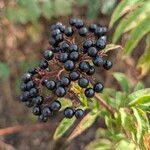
x,y
137,34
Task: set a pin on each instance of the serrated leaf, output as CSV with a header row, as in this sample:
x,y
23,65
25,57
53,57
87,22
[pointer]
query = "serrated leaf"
x,y
137,34
119,11
4,70
85,123
131,17
122,80
64,125
139,97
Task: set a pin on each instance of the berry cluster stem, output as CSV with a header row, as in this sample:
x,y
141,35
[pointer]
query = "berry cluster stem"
x,y
105,105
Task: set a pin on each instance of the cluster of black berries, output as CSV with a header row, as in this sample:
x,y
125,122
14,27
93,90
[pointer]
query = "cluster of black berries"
x,y
64,64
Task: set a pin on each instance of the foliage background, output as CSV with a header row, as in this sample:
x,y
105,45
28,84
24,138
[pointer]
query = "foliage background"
x,y
24,30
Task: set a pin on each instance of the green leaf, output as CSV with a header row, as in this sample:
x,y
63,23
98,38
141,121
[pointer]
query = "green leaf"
x,y
78,90
85,123
47,9
33,10
139,86
100,144
137,34
111,47
65,103
139,124
120,10
139,97
124,144
144,61
142,124
4,70
122,80
62,7
126,21
93,8
64,125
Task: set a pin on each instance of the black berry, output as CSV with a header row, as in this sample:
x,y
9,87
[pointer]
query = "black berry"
x,y
74,56
69,65
60,91
79,113
89,92
56,105
83,82
50,85
107,64
92,51
69,112
74,75
98,87
48,55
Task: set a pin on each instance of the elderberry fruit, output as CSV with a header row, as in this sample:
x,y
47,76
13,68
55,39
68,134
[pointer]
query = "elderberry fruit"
x,y
66,70
84,66
68,31
72,21
48,55
74,56
73,47
79,113
36,110
43,64
83,82
107,64
98,87
74,75
65,81
46,111
89,92
38,100
60,91
92,27
69,65
50,85
83,31
63,57
92,51
98,61
87,44
69,112
56,105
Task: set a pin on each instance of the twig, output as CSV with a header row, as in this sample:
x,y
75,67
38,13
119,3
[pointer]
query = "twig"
x,y
59,73
104,104
25,128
